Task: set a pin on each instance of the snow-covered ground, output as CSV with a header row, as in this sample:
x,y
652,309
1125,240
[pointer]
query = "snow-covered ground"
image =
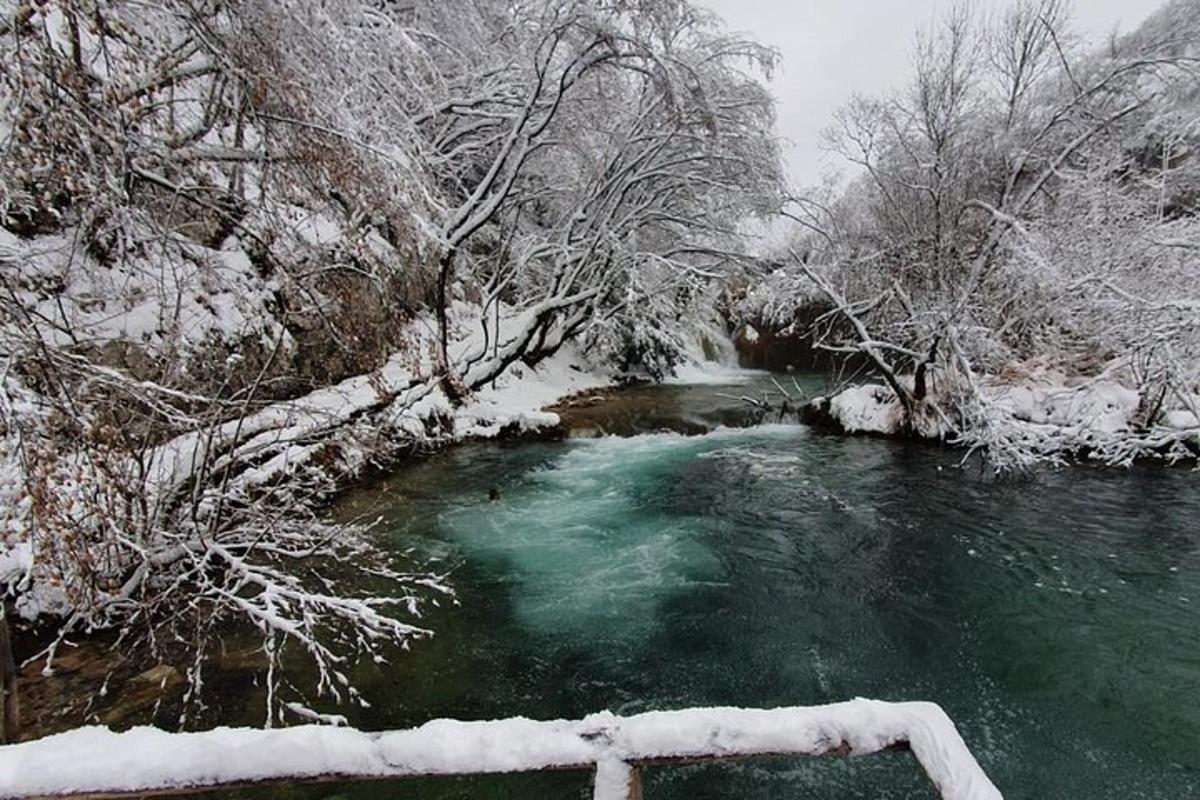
x,y
210,296
147,759
518,396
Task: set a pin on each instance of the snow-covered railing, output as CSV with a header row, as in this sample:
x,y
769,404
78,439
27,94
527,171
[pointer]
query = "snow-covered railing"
x,y
96,762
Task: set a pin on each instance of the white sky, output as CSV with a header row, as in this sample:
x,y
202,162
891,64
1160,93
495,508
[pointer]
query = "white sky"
x,y
833,48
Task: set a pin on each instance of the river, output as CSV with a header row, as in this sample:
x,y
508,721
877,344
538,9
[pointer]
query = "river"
x,y
1053,616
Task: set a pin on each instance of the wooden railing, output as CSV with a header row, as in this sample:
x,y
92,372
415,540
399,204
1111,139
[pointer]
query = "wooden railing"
x,y
96,762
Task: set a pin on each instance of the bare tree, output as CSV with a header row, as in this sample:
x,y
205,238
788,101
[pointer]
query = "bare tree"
x,y
985,185
196,194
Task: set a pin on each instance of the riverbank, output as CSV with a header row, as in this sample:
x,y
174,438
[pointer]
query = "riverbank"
x,y
1047,417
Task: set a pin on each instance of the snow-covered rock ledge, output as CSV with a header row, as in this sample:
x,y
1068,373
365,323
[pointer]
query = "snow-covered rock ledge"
x,y
1044,418
95,760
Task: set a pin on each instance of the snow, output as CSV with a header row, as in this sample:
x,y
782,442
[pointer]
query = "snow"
x,y
285,430
206,296
516,396
869,408
1059,412
15,562
1180,419
314,228
40,599
147,759
613,779
1103,406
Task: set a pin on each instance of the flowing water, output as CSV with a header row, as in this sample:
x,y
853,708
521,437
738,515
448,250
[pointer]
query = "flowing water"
x,y
1053,616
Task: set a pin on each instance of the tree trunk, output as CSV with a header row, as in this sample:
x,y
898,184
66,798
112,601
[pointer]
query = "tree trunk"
x,y
920,387
445,267
9,709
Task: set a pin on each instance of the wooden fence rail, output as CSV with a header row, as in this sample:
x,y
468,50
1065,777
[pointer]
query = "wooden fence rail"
x,y
97,763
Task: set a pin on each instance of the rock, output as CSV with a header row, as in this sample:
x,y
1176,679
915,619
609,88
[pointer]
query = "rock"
x,y
163,675
140,695
248,658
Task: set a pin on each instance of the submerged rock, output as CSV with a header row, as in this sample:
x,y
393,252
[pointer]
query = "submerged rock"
x,y
142,694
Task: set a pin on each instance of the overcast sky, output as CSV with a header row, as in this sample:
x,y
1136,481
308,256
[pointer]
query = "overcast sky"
x,y
833,48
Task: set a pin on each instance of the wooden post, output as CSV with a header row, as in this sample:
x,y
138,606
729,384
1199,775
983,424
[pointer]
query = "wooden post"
x,y
616,780
635,783
9,710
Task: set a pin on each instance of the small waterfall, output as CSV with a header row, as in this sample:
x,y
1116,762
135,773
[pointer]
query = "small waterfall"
x,y
714,345
709,357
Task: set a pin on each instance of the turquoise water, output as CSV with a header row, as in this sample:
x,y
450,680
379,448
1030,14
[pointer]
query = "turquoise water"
x,y
1053,616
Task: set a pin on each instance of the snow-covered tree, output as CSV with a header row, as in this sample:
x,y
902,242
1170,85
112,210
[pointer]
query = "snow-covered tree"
x,y
1023,220
226,227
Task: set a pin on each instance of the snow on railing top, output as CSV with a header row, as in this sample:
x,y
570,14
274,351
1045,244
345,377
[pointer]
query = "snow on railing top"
x,y
94,761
